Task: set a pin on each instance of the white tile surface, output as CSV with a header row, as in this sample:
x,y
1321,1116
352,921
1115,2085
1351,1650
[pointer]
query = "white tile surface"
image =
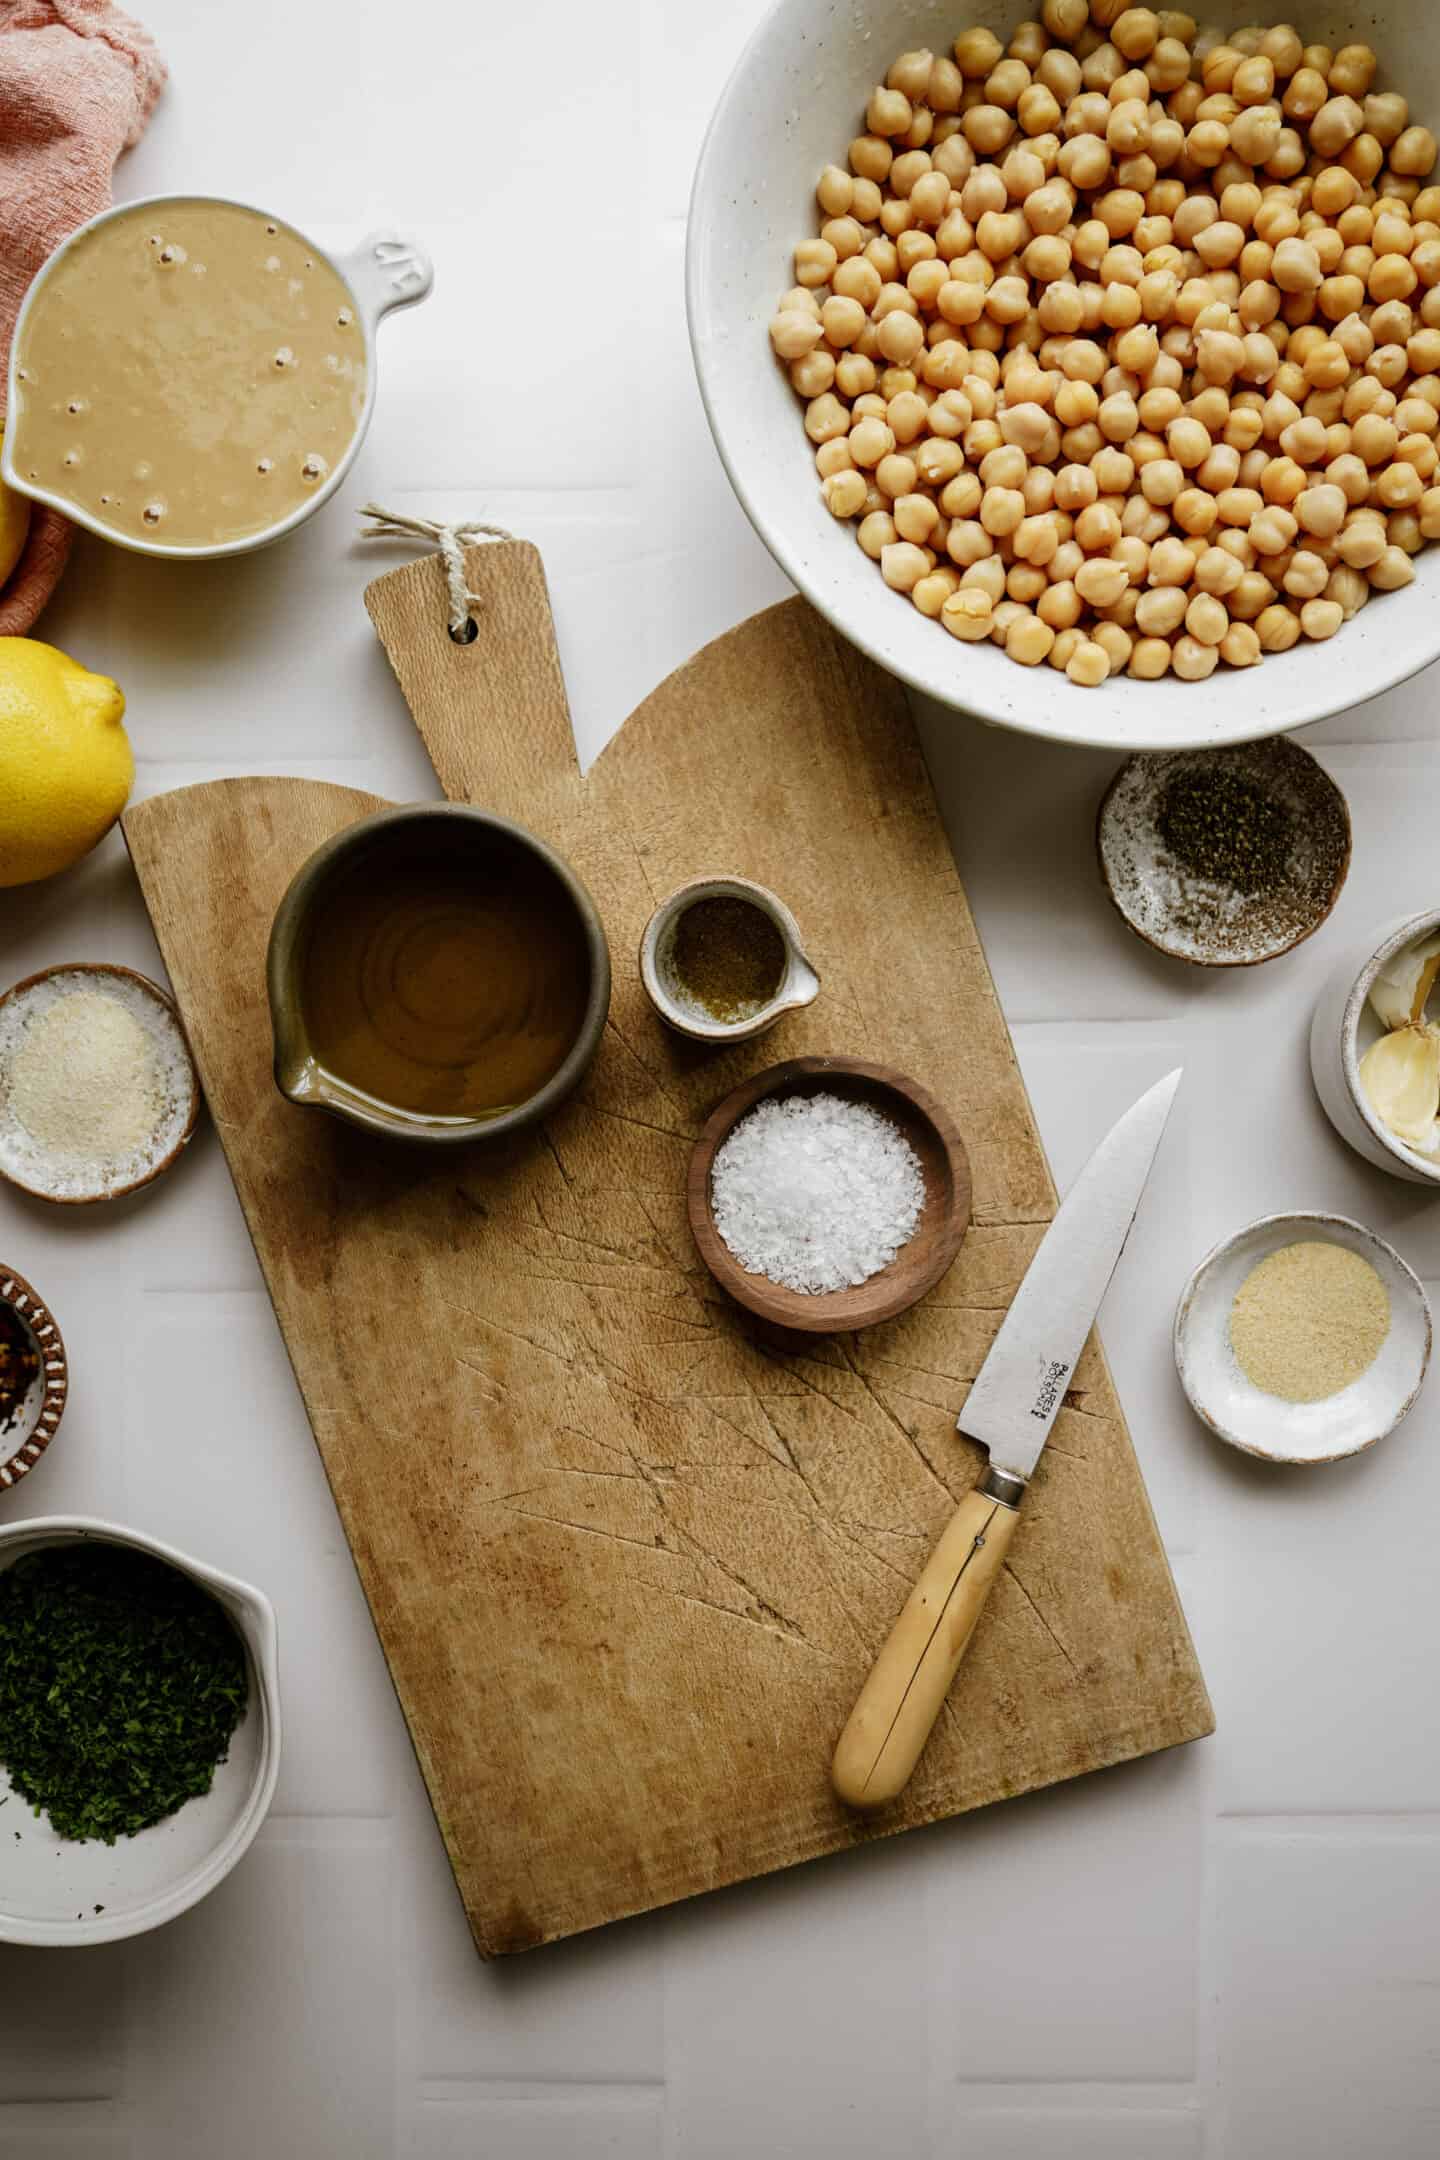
x,y
64,2137
1227,1954
544,2124
64,2023
797,2019
1029,1904
267,2014
1328,1972
1081,2131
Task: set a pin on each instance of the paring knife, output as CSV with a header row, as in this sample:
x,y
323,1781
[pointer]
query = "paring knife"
x,y
1010,1410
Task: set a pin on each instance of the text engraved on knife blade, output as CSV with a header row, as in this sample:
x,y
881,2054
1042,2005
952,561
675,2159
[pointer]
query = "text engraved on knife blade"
x,y
1052,1387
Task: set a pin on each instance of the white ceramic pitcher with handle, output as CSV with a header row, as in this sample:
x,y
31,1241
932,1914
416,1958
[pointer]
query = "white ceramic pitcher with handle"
x,y
385,271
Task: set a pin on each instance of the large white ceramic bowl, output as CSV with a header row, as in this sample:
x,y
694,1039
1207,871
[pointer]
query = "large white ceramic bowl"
x,y
384,271
1343,1028
793,104
61,1893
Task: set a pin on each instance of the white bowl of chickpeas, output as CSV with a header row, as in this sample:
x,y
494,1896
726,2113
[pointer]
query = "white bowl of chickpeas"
x,y
1093,352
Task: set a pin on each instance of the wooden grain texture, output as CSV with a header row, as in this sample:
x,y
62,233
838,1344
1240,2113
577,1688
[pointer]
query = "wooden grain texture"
x,y
629,1561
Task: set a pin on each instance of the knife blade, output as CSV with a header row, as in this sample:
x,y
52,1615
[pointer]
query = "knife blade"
x,y
1019,1389
1013,1403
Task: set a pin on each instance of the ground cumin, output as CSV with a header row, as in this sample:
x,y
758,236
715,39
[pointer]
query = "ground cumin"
x,y
729,956
1308,1320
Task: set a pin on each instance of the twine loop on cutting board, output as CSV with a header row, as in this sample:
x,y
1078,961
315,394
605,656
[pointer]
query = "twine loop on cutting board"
x,y
452,541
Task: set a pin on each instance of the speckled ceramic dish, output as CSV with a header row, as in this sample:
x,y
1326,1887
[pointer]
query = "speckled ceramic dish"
x,y
76,1179
1200,919
1287,1432
24,1440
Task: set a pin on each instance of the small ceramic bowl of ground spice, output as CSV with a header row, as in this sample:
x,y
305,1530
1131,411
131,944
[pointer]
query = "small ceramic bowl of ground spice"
x,y
1303,1338
98,1090
722,960
34,1377
826,1194
1224,857
139,1729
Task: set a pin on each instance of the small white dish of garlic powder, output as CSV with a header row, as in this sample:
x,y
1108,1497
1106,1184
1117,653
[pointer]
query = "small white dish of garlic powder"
x,y
98,1090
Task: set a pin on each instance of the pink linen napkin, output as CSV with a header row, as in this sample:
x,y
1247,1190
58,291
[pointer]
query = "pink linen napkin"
x,y
78,82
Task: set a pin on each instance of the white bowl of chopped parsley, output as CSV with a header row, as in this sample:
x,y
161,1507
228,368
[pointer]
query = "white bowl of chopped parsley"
x,y
139,1729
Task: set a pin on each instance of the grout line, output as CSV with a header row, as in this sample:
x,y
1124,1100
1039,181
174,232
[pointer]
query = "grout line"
x,y
1067,2096
210,1290
1325,1822
1207,1972
455,2089
1061,2092
85,2106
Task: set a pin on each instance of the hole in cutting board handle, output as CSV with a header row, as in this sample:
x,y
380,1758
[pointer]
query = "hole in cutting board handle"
x,y
468,634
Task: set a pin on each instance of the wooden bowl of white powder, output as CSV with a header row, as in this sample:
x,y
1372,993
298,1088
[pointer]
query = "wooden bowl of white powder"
x,y
98,1090
827,1194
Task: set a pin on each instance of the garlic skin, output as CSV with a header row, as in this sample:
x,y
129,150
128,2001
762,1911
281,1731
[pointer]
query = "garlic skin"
x,y
1400,1076
1398,994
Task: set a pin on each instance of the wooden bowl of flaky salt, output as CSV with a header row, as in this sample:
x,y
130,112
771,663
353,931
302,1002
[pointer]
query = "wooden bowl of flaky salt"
x,y
98,1090
827,1194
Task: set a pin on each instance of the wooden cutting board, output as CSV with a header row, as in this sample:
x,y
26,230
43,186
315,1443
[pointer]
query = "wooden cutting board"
x,y
629,1560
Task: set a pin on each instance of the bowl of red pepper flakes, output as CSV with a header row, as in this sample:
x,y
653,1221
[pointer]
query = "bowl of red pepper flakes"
x,y
34,1377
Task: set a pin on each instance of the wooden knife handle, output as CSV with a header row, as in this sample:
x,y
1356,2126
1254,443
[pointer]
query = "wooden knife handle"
x,y
910,1679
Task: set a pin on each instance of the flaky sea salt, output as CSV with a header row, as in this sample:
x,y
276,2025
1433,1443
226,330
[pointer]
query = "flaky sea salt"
x,y
816,1193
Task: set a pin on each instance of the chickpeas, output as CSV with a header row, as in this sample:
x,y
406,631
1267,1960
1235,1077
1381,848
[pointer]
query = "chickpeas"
x,y
1321,510
1321,618
845,493
1121,347
1088,665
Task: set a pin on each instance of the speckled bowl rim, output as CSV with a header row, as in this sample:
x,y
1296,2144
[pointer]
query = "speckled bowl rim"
x,y
1408,934
25,1299
1299,1218
1221,751
192,1117
724,885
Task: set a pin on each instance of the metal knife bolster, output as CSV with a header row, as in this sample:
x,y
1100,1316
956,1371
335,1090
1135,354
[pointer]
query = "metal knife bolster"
x,y
1000,1485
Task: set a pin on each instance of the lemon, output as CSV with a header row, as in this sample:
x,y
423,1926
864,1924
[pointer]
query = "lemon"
x,y
65,761
14,525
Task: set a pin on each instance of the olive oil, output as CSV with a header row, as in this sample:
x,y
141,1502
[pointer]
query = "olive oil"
x,y
451,983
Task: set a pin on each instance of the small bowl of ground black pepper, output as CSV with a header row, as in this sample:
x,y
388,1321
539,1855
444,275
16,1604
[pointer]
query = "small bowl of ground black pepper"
x,y
139,1730
1224,857
722,960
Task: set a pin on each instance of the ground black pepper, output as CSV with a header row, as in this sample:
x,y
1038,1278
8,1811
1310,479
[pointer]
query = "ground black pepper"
x,y
19,1365
1218,824
729,956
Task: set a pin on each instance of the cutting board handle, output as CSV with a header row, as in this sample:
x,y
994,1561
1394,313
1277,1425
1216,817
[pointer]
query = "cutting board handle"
x,y
492,714
908,1682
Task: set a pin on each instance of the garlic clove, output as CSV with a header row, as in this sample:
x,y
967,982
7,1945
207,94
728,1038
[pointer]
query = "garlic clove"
x,y
1398,994
1400,1075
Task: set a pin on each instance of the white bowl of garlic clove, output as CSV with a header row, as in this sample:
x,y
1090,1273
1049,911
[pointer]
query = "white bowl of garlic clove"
x,y
1379,989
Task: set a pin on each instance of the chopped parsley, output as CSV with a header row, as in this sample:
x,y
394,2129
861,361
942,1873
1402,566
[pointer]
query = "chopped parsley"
x,y
121,1682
